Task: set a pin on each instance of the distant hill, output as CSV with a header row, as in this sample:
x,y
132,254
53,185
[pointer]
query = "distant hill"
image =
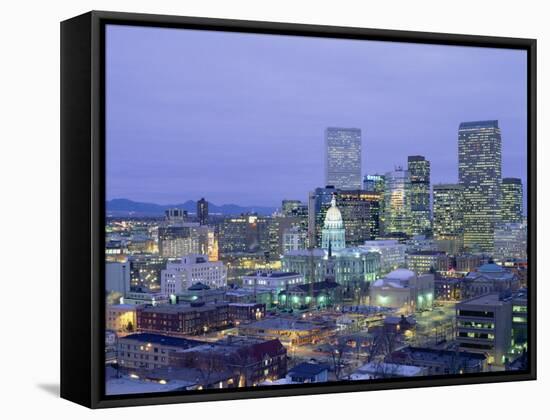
x,y
125,207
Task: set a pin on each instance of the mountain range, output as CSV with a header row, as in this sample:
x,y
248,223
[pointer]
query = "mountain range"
x,y
125,207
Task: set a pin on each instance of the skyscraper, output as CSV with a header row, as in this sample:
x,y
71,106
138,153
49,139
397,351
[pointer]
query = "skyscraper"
x,y
343,158
479,172
175,215
202,211
448,216
511,205
419,176
361,215
396,202
292,207
373,183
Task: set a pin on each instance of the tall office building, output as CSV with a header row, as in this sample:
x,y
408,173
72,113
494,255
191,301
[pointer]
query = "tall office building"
x,y
479,172
175,215
397,202
510,241
419,177
448,216
202,211
245,233
373,183
185,238
293,208
361,214
343,158
511,204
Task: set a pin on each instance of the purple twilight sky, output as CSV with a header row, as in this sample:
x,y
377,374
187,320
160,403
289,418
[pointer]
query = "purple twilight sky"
x,y
240,118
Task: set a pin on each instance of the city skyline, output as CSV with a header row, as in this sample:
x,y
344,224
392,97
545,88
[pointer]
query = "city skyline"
x,y
355,278
143,152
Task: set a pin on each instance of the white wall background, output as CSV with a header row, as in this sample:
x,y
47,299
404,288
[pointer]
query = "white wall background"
x,y
29,234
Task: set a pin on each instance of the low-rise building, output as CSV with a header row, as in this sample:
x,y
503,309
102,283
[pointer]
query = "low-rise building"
x,y
380,370
448,288
428,261
149,351
320,295
289,331
273,280
392,253
193,268
145,298
245,312
200,293
183,319
306,373
465,263
403,289
439,362
245,295
490,278
484,325
253,361
121,318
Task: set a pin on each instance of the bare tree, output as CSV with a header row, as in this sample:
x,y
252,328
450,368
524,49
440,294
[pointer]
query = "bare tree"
x,y
381,344
337,352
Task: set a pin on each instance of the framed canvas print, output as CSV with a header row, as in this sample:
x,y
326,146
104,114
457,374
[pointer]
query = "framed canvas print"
x,y
255,209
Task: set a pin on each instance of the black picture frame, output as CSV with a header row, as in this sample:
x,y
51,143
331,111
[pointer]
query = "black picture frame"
x,y
83,205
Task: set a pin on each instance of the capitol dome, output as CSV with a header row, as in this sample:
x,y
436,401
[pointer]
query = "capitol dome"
x,y
333,218
333,233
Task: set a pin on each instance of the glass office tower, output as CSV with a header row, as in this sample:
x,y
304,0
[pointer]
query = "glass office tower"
x,y
511,205
397,202
479,172
343,158
419,176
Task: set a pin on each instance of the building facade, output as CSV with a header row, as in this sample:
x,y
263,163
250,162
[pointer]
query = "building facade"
x,y
333,234
490,278
121,318
182,320
117,277
484,325
202,211
403,289
397,202
349,265
510,242
479,172
149,351
247,233
361,213
419,178
448,215
511,205
392,253
185,238
191,269
428,261
343,158
273,280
